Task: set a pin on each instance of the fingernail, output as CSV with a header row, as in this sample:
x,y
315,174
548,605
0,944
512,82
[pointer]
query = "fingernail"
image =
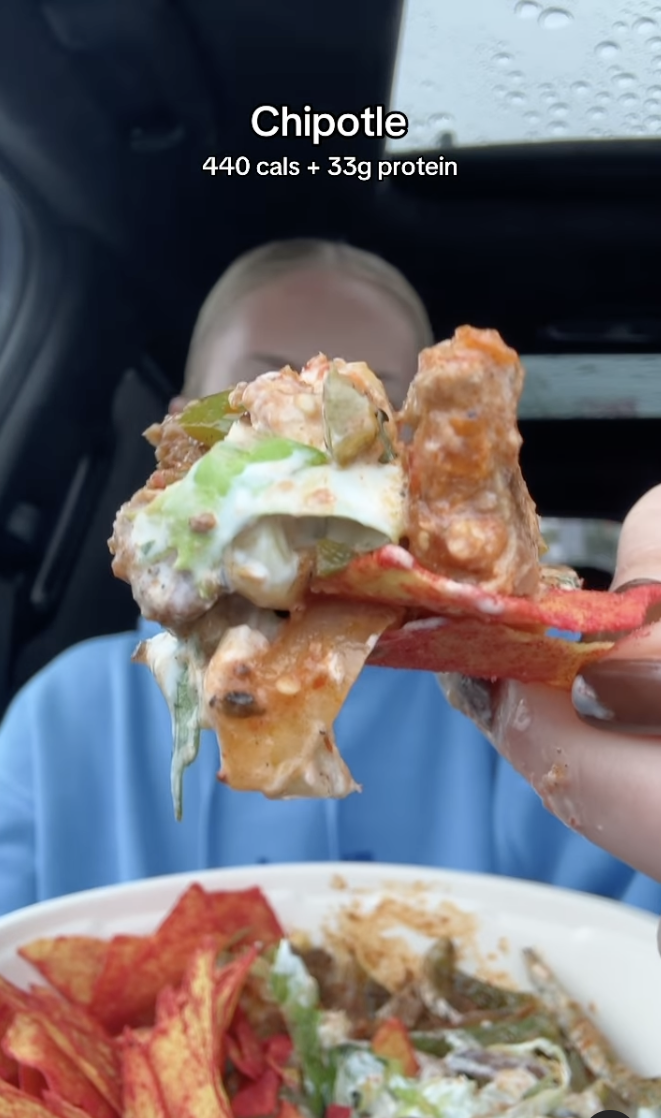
x,y
653,613
623,696
476,698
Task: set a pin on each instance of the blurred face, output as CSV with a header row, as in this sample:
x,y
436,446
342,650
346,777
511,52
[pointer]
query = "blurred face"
x,y
293,318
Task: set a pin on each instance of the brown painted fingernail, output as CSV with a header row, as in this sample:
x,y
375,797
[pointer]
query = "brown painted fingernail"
x,y
623,696
636,582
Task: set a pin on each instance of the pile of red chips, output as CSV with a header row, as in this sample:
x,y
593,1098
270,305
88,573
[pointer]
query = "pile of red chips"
x,y
148,1026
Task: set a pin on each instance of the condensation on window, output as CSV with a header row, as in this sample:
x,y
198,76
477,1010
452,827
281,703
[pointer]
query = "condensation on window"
x,y
484,72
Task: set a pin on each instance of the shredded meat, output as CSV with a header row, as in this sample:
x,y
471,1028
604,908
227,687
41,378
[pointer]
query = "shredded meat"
x,y
469,514
176,451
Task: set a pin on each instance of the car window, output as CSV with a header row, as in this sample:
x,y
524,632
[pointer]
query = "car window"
x,y
515,71
592,386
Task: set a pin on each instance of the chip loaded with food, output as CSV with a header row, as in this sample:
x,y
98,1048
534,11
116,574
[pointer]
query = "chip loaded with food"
x,y
218,1013
297,527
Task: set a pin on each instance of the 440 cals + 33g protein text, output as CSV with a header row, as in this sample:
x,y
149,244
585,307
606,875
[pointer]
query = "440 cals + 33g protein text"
x,y
335,166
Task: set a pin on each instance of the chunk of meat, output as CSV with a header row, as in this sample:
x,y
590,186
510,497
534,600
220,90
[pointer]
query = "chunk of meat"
x,y
176,451
283,403
469,514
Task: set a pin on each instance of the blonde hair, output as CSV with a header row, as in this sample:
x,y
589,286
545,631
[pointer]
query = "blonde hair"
x,y
261,265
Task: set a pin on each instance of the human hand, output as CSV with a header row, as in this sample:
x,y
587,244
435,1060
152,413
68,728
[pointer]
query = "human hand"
x,y
593,756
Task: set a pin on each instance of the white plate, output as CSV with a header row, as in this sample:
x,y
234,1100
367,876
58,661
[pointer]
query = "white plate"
x,y
603,951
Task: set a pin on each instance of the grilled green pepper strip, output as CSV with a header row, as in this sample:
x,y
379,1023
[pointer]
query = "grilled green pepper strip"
x,y
485,996
208,420
434,1044
589,1042
515,1031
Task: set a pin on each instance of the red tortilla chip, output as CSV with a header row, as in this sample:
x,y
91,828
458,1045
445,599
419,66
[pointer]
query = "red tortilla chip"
x,y
245,910
31,1081
258,1099
12,998
392,576
229,984
71,964
63,1109
244,1049
464,645
137,968
198,1011
30,1044
142,1094
173,1071
279,1049
8,1067
14,1104
182,1050
82,1039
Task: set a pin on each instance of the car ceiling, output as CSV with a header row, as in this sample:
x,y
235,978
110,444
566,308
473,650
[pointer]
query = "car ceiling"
x,y
107,112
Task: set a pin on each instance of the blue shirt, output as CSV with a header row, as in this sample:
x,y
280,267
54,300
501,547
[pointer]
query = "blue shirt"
x,y
85,795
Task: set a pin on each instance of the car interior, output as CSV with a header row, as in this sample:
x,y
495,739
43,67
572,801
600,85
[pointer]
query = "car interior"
x,y
112,232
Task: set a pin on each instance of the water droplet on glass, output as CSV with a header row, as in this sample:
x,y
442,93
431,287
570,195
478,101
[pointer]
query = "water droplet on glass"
x,y
603,97
595,114
516,77
624,81
632,120
531,117
441,120
558,128
515,98
595,133
580,88
653,105
554,19
502,60
656,63
628,99
653,124
527,9
654,91
644,26
559,109
500,90
620,28
548,96
606,50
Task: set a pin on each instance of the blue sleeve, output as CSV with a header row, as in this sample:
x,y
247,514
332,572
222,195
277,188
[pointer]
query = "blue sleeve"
x,y
17,815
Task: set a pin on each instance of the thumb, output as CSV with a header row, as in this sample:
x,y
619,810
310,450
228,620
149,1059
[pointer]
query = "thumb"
x,y
622,692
